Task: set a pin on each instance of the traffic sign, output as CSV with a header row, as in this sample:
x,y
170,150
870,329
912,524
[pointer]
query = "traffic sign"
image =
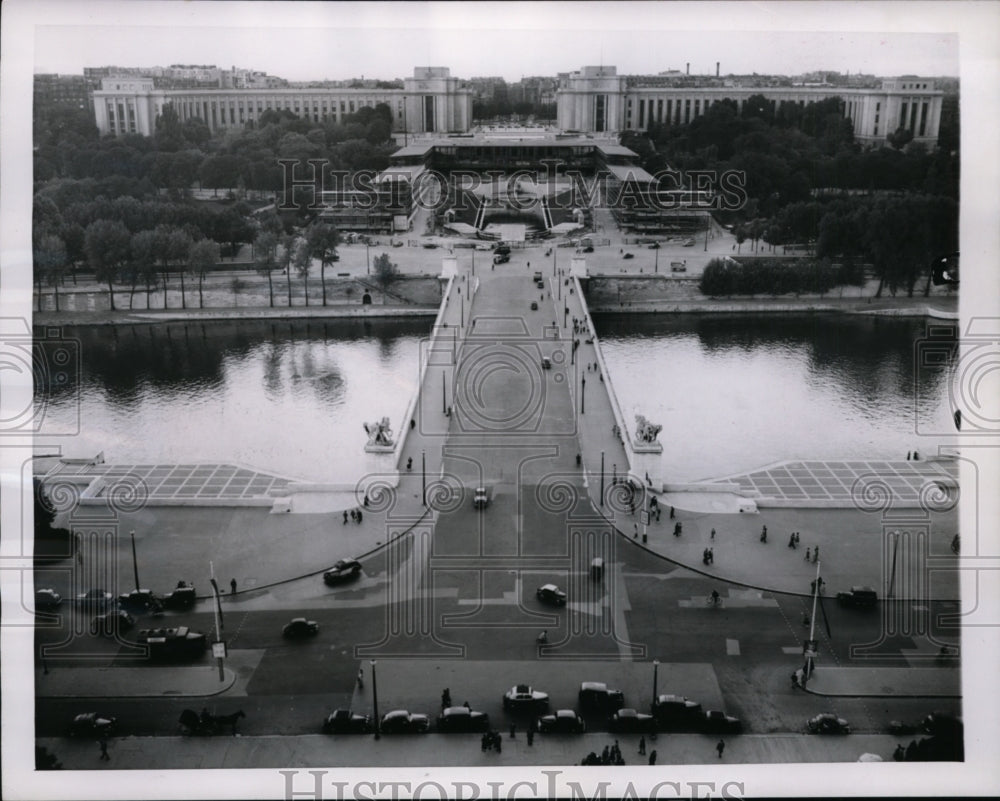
x,y
219,650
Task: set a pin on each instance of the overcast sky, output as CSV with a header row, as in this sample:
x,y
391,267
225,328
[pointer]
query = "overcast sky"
x,y
312,41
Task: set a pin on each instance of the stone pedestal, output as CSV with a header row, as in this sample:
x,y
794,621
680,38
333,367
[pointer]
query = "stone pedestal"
x,y
647,462
578,266
449,267
380,466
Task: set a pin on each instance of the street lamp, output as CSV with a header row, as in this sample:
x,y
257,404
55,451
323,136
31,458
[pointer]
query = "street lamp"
x,y
368,261
583,388
378,733
219,624
602,479
423,476
656,668
656,263
135,564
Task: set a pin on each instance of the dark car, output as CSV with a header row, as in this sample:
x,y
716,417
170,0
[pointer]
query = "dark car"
x,y
534,305
858,597
942,724
344,721
501,258
502,250
588,249
344,570
631,721
429,245
172,643
540,283
300,627
462,719
628,256
111,623
140,601
522,698
551,594
827,724
716,722
595,696
47,600
564,721
92,724
654,245
676,711
183,596
399,721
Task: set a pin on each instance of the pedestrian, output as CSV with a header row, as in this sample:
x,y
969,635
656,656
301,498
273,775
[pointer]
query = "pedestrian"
x,y
635,531
409,466
791,540
529,265
711,556
359,515
652,757
642,746
763,535
531,736
796,539
907,456
498,743
808,554
816,554
484,741
900,753
446,698
354,515
104,750
657,514
606,755
466,705
713,534
345,517
232,585
513,730
366,500
720,747
413,424
704,557
671,512
805,619
361,678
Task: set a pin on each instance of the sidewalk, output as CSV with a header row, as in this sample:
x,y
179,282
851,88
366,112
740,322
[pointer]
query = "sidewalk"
x,y
455,750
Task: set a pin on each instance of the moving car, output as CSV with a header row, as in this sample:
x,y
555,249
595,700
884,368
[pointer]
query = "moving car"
x,y
344,721
546,363
111,623
534,305
47,600
300,627
563,721
689,243
551,594
540,284
827,723
716,722
595,696
140,601
501,249
170,643
462,719
183,596
480,498
858,597
429,245
654,245
399,721
631,721
501,258
343,570
96,597
522,698
92,724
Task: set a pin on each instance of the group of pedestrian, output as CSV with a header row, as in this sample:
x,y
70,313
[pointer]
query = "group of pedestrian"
x,y
812,555
915,456
356,515
707,556
611,755
793,540
492,741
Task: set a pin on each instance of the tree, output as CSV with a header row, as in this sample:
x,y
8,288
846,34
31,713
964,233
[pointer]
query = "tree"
x,y
286,254
106,243
302,262
900,138
145,248
202,258
50,264
232,228
322,240
265,255
386,273
220,171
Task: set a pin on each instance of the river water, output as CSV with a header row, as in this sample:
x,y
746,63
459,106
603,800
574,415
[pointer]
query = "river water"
x,y
732,392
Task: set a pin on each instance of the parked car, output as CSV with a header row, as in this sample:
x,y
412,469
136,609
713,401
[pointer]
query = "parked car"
x,y
299,627
858,597
551,594
522,698
344,721
595,696
502,249
183,596
588,249
689,243
540,284
171,643
95,598
716,722
140,601
462,719
344,570
546,363
429,245
563,721
628,256
631,721
93,724
480,498
676,711
534,305
47,600
111,623
654,245
399,721
827,723
942,724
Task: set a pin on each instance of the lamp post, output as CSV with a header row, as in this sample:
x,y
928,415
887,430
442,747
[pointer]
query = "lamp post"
x,y
583,397
405,140
602,479
656,669
368,261
444,394
135,564
656,263
378,732
219,622
892,573
423,476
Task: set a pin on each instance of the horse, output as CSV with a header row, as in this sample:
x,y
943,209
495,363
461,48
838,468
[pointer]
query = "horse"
x,y
230,720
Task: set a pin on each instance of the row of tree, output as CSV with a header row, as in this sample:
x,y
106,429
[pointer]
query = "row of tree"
x,y
725,277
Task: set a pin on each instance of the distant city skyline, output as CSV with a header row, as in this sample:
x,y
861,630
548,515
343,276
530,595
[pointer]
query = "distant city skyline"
x,y
319,41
